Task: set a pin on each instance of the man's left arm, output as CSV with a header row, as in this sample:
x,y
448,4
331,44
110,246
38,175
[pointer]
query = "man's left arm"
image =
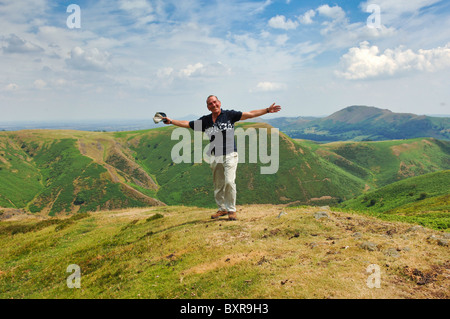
x,y
255,113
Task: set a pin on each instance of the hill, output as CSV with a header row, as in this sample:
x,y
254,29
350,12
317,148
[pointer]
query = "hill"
x,y
385,162
423,199
178,252
359,123
64,172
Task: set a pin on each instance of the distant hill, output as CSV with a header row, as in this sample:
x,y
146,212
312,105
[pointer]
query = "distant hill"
x,y
360,123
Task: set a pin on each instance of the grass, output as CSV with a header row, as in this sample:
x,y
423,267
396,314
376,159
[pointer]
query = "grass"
x,y
15,167
422,199
61,172
179,252
386,162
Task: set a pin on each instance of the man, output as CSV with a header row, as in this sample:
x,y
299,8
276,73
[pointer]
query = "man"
x,y
219,126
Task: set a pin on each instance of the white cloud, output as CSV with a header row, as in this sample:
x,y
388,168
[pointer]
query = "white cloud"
x,y
307,17
39,84
269,87
335,13
366,61
15,44
190,70
194,70
135,5
400,13
11,87
280,22
89,60
141,11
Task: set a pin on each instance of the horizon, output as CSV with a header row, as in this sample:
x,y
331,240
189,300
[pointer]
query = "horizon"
x,y
195,116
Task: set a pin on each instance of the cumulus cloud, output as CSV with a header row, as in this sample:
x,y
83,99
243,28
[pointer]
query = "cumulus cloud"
x,y
280,22
269,87
307,17
15,44
39,84
11,87
367,61
194,70
89,60
336,14
191,69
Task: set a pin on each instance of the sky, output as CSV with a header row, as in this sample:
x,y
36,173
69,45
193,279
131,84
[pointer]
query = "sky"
x,y
127,59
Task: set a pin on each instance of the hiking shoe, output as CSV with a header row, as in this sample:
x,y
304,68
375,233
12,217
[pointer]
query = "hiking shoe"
x,y
218,214
232,215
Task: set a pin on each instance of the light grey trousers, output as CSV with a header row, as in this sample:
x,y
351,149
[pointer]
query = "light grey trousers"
x,y
224,176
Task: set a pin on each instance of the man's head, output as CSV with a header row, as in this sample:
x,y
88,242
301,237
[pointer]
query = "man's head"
x,y
213,104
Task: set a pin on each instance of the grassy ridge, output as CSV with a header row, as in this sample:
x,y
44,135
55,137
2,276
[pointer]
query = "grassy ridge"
x,y
179,252
16,167
52,172
47,173
382,163
302,175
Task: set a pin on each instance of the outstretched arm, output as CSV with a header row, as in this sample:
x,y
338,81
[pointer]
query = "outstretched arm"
x,y
176,122
271,109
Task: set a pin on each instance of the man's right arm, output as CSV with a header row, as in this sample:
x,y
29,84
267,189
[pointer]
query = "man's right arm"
x,y
176,122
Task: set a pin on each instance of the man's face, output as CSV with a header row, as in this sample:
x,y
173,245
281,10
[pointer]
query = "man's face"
x,y
213,104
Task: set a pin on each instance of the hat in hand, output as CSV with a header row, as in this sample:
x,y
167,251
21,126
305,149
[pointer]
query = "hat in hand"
x,y
158,117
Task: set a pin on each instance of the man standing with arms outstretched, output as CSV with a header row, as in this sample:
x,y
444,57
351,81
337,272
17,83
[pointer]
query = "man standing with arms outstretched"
x,y
219,126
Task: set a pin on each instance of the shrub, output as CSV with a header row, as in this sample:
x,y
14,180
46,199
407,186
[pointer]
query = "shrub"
x,y
422,196
372,202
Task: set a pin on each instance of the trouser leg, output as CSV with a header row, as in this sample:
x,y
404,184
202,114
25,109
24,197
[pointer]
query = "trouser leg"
x,y
230,167
224,176
219,184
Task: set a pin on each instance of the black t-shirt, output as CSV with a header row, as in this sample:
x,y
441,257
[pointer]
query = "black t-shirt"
x,y
222,130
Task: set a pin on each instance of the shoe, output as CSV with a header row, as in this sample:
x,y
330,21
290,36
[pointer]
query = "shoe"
x,y
232,215
218,214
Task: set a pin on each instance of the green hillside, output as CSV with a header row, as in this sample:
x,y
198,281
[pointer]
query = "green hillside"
x,y
385,162
61,171
302,175
45,171
423,199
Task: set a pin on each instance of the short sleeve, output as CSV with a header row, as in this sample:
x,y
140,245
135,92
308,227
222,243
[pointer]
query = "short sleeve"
x,y
234,116
198,125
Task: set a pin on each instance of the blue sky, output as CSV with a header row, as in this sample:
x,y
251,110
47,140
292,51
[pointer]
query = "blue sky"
x,y
130,58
